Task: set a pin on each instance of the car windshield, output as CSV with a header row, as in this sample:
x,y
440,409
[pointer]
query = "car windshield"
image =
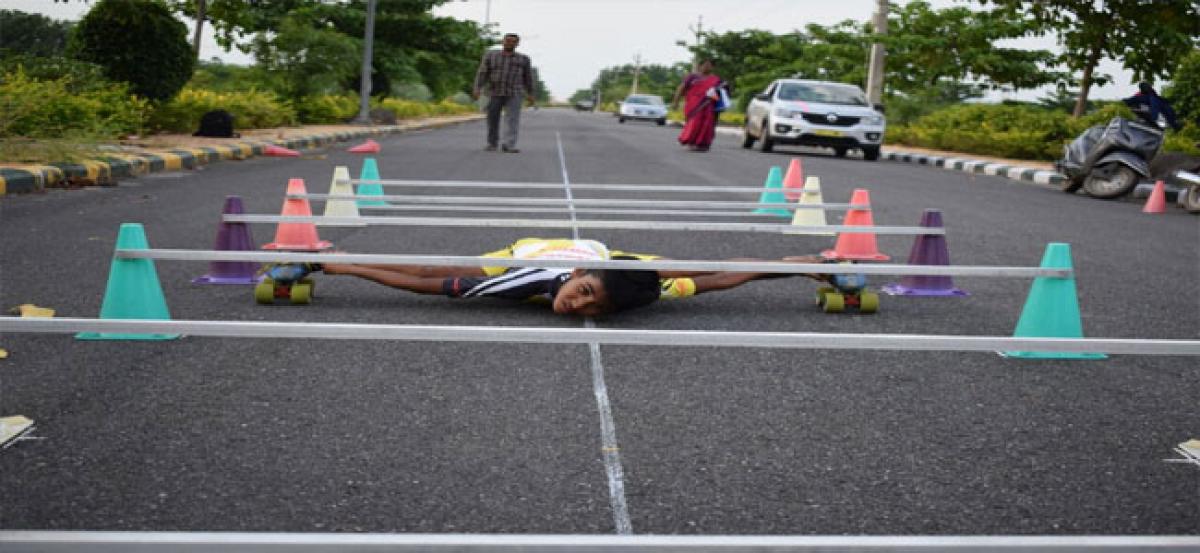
x,y
645,100
822,93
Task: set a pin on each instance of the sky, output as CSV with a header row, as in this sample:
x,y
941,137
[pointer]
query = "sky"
x,y
570,41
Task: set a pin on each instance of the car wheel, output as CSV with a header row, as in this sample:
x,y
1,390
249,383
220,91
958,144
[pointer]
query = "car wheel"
x,y
620,119
1110,181
871,153
767,145
747,138
662,122
839,151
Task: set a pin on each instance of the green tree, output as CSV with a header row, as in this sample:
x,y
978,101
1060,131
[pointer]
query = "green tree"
x,y
303,59
1148,38
138,42
32,34
1184,91
615,83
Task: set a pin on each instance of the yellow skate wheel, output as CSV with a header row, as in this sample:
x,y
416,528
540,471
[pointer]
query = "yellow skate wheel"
x,y
301,294
834,302
868,302
821,293
264,292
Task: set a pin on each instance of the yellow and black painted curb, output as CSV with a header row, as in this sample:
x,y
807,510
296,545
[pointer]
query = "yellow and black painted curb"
x,y
105,171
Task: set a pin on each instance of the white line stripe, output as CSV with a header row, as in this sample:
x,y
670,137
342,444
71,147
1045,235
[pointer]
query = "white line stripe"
x,y
608,428
628,337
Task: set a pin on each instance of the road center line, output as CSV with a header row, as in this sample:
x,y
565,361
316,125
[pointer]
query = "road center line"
x,y
608,429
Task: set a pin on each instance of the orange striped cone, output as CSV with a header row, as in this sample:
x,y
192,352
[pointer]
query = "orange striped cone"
x,y
297,236
858,246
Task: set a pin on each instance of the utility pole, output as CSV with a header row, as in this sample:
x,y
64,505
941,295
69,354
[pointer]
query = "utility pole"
x,y
364,94
878,54
637,69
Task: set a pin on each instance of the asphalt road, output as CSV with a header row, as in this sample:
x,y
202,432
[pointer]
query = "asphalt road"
x,y
289,435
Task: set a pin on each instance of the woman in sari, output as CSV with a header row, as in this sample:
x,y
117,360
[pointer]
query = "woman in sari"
x,y
700,93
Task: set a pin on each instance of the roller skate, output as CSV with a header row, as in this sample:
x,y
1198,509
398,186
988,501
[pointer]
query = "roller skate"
x,y
847,290
286,280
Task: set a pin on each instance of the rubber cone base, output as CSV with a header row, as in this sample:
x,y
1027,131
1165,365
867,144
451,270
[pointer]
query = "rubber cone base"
x,y
1050,355
322,245
833,254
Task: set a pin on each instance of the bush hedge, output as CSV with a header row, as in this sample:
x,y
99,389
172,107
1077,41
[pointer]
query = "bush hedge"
x,y
1009,131
251,109
33,108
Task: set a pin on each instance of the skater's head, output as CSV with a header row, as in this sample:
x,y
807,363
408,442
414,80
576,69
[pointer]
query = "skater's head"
x,y
593,292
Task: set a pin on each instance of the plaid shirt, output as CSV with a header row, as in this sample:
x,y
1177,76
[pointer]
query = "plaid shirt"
x,y
505,75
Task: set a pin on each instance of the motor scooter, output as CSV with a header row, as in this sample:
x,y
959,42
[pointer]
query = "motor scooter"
x,y
1107,161
1191,198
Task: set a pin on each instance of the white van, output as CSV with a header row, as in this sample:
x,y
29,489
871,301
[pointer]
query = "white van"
x,y
815,113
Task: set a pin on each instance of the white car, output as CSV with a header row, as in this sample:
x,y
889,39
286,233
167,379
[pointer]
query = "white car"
x,y
646,107
815,113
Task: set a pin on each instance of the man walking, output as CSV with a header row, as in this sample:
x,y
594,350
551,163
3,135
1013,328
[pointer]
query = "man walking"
x,y
509,78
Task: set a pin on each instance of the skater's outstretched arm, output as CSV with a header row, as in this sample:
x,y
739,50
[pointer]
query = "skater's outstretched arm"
x,y
388,277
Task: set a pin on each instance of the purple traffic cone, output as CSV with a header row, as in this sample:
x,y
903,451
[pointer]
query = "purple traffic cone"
x,y
928,249
231,237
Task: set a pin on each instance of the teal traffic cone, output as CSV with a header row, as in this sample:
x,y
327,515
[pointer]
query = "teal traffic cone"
x,y
774,195
370,173
1052,309
133,290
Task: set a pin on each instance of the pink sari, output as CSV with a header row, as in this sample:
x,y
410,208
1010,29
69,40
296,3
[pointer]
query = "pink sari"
x,y
700,111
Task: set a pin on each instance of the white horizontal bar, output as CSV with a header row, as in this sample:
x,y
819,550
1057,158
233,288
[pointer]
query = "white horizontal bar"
x,y
563,224
579,210
559,186
634,337
596,202
779,267
57,541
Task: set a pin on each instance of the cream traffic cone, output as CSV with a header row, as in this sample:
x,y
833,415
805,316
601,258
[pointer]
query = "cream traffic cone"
x,y
341,187
811,216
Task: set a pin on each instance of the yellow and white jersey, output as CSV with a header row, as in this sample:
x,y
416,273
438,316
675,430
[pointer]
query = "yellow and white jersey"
x,y
583,250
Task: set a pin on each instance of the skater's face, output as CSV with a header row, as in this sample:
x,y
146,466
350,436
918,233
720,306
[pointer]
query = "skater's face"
x,y
583,294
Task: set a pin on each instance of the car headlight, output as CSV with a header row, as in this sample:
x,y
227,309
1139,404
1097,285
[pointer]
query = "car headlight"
x,y
873,120
787,113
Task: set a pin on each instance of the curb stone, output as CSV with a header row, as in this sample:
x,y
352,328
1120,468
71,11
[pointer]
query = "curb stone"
x,y
106,170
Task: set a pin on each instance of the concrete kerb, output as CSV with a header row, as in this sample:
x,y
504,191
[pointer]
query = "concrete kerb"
x,y
1036,176
105,171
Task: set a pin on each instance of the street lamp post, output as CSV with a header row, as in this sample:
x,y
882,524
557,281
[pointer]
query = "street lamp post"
x,y
878,54
364,94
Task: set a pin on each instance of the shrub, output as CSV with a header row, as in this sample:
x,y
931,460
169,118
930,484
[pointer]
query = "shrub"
x,y
251,110
327,109
137,42
82,75
47,109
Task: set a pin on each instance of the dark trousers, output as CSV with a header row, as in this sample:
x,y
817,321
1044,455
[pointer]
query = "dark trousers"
x,y
511,105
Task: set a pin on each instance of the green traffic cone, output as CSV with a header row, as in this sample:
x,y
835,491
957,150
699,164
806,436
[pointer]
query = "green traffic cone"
x,y
774,195
1052,309
133,290
370,173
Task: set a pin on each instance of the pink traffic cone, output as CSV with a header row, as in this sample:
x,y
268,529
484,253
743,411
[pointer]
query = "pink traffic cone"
x,y
858,246
793,180
297,236
368,147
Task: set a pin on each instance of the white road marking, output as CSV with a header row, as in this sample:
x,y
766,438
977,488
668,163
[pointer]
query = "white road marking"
x,y
608,429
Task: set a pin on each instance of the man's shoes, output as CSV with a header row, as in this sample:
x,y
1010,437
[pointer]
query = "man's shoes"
x,y
490,148
509,150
